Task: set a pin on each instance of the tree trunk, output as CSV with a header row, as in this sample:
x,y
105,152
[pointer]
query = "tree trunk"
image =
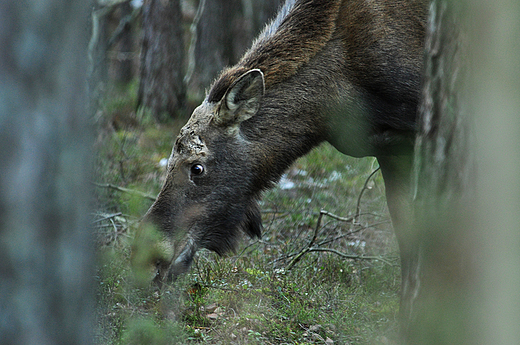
x,y
224,32
263,12
45,143
124,72
494,92
444,168
161,89
217,38
466,188
247,23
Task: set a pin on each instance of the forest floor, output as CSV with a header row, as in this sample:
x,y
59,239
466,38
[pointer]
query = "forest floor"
x,y
326,270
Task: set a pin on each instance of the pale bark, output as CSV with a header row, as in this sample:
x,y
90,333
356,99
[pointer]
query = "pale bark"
x,y
466,185
45,240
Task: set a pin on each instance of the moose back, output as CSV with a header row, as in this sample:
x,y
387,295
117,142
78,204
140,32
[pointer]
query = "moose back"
x,y
347,72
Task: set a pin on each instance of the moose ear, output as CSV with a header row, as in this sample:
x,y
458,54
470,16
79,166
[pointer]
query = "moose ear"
x,y
242,99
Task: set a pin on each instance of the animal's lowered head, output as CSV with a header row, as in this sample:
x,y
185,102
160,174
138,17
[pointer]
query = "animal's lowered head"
x,y
212,185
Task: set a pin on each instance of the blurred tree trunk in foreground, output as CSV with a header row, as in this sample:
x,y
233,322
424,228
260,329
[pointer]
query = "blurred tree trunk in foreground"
x,y
161,89
494,91
45,144
444,185
467,184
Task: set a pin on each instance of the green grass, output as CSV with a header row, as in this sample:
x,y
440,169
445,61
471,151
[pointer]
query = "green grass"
x,y
249,297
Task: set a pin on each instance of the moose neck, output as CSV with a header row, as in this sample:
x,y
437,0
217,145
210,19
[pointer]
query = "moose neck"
x,y
312,94
295,115
304,69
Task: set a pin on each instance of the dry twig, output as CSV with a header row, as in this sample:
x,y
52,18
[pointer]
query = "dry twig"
x,y
125,190
365,187
353,220
315,235
352,256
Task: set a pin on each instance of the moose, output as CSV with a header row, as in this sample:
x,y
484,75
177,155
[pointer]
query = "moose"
x,y
343,71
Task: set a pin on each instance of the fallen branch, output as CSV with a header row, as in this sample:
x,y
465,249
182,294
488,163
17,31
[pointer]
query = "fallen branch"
x,y
334,239
125,190
311,243
352,256
315,235
336,217
106,217
311,248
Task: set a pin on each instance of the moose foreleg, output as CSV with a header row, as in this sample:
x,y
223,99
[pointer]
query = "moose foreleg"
x,y
396,173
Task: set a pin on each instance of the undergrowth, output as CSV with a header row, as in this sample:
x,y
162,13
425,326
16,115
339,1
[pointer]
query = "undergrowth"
x,y
326,270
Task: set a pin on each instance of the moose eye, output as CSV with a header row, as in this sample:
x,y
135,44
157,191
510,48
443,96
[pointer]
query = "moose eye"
x,y
197,169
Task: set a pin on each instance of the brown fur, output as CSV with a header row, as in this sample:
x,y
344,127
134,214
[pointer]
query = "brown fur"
x,y
343,71
369,29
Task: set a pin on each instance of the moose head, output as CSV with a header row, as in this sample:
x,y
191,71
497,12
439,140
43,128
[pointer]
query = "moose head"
x,y
213,179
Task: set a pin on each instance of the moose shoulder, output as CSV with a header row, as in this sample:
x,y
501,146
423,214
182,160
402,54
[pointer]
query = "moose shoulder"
x,y
347,72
